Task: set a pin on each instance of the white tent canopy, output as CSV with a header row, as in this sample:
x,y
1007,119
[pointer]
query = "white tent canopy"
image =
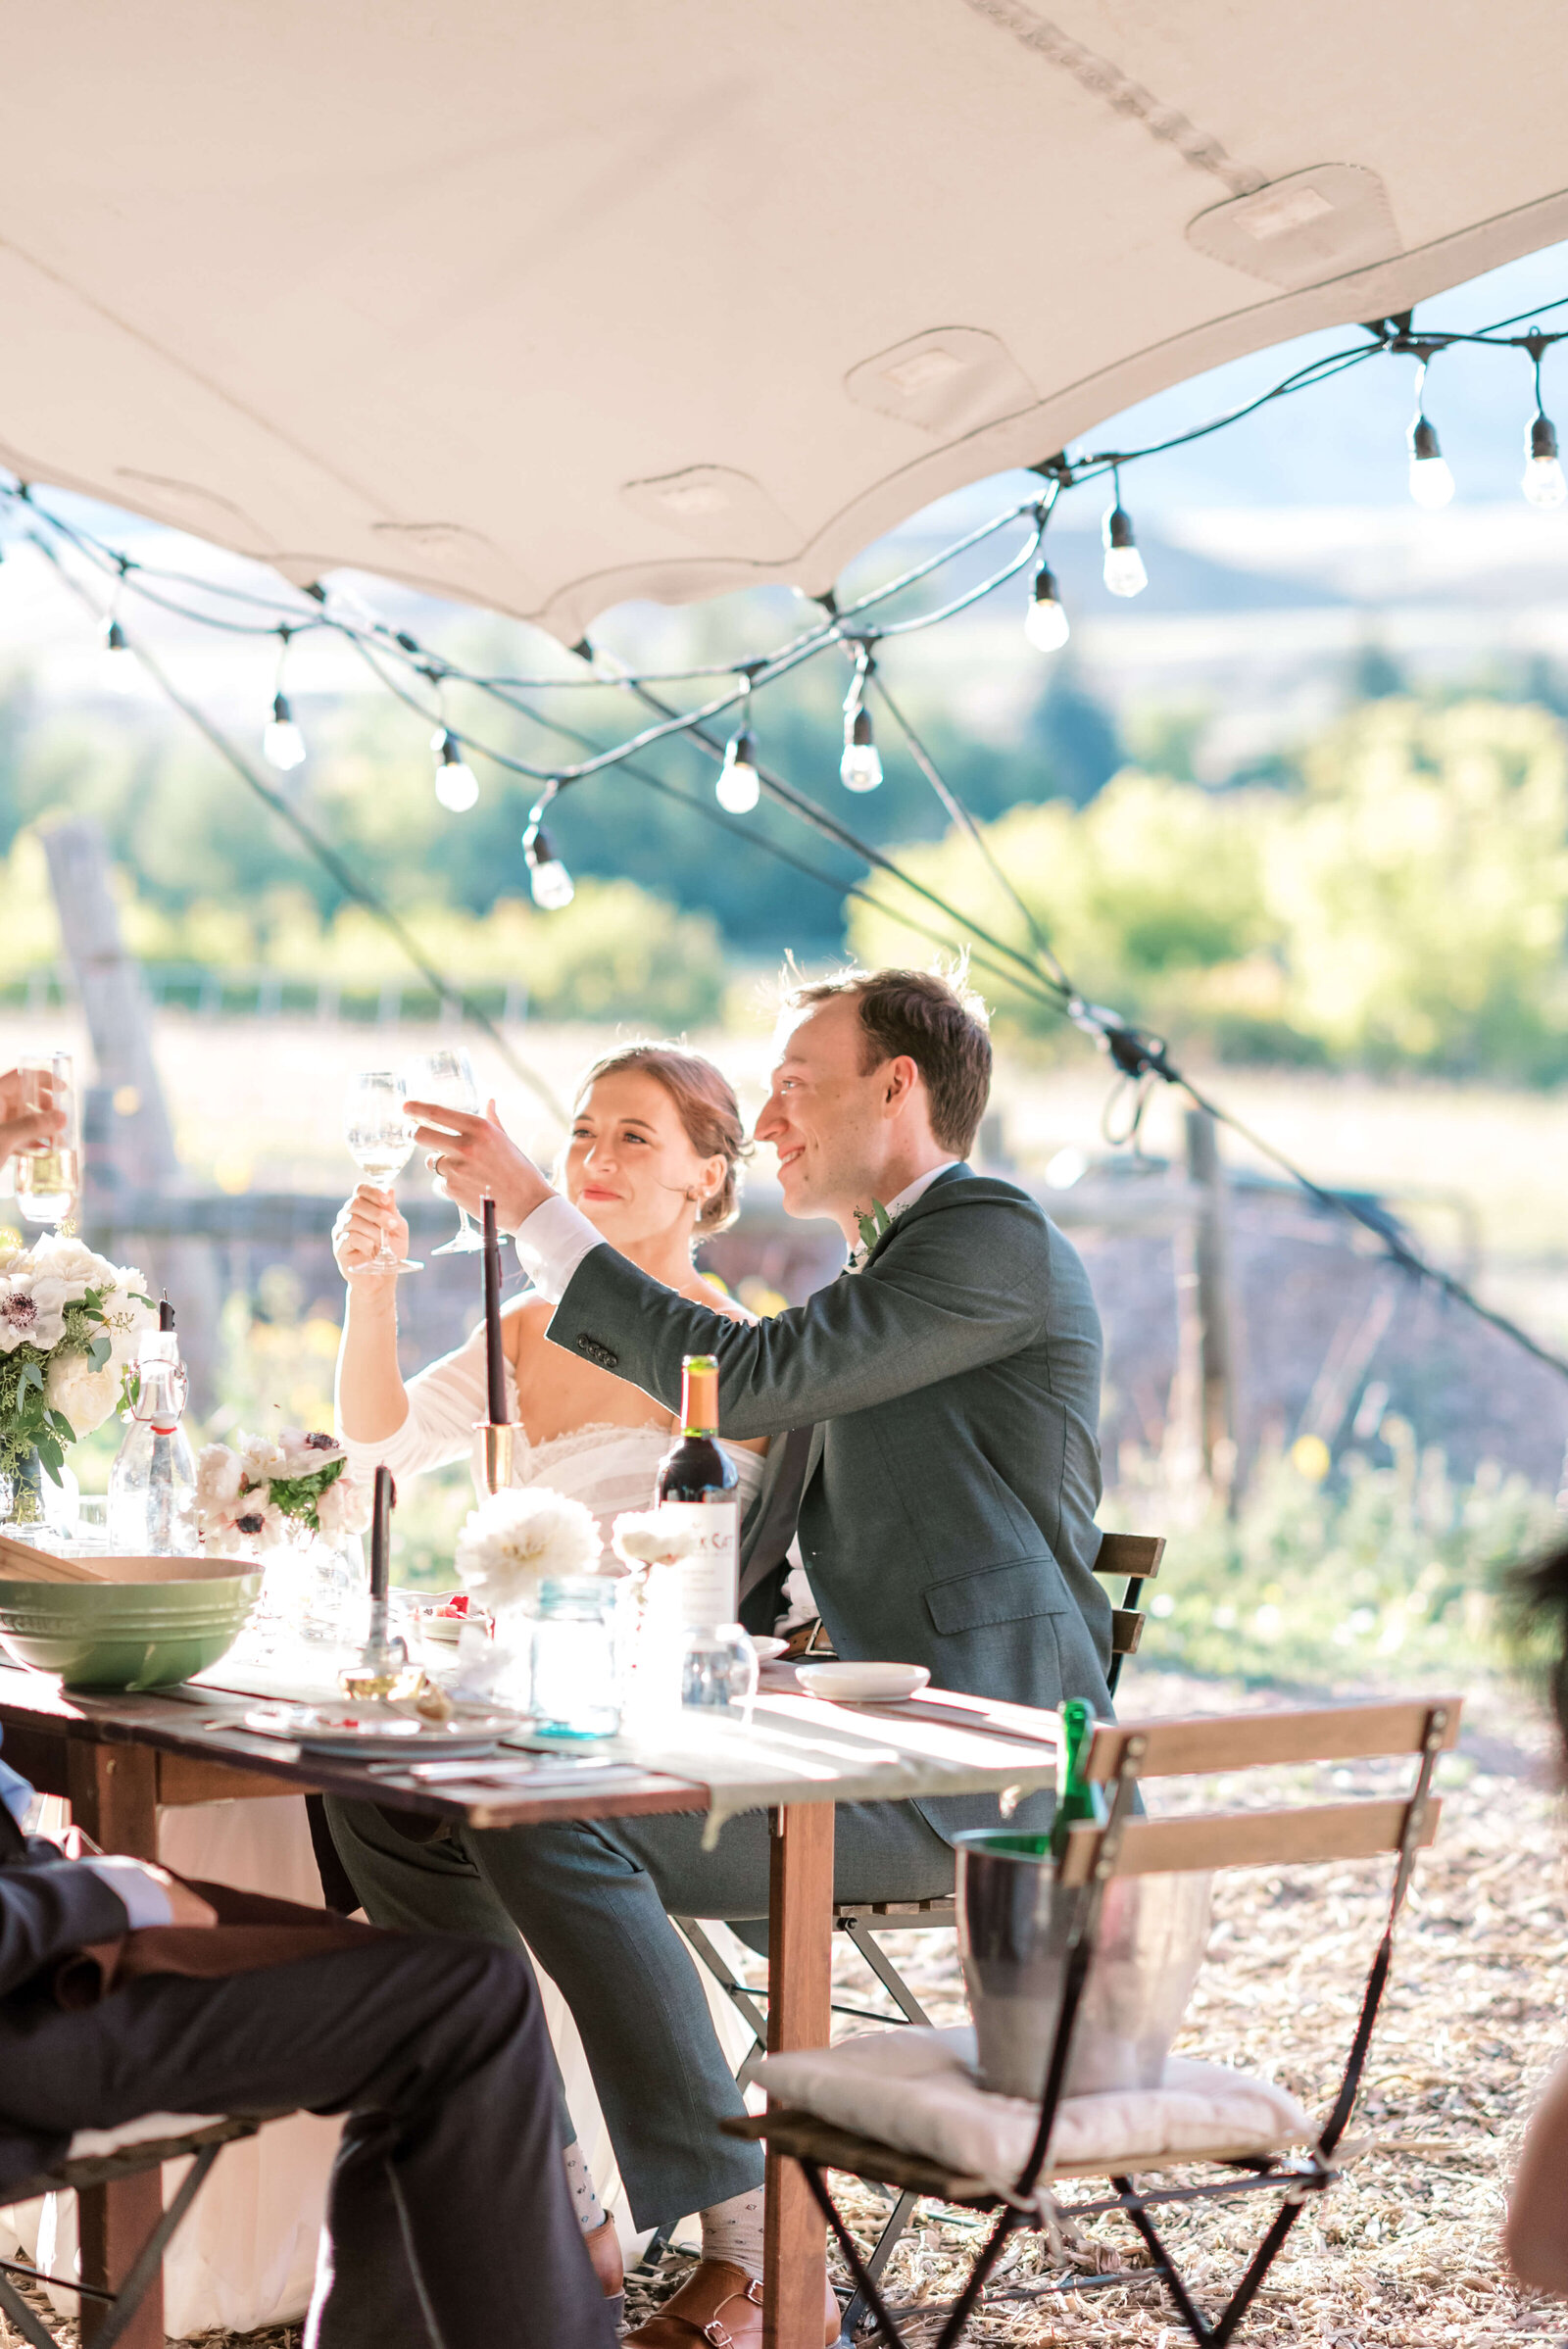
x,y
550,305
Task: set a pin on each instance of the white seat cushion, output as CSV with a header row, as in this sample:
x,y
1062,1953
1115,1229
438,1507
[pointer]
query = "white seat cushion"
x,y
915,2089
91,2144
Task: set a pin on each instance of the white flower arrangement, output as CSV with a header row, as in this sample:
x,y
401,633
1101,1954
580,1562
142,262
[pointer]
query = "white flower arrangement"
x,y
70,1324
645,1538
271,1490
522,1537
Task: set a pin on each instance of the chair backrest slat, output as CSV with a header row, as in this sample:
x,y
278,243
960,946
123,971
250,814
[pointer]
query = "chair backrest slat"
x,y
1248,1740
1126,1630
1136,1555
1323,1831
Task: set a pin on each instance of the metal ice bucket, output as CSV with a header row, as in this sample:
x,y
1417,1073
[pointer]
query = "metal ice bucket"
x,y
1014,1922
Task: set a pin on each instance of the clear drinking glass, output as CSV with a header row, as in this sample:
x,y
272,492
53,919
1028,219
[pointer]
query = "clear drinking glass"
x,y
449,1078
718,1669
48,1177
380,1139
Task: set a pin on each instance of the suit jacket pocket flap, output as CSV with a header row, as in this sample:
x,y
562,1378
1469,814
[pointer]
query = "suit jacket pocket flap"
x,y
998,1594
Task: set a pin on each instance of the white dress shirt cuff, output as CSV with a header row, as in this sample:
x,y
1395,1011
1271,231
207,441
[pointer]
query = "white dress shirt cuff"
x,y
552,1243
142,1896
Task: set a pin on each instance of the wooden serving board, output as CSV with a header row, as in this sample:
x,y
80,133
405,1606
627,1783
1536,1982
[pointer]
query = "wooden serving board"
x,y
21,1562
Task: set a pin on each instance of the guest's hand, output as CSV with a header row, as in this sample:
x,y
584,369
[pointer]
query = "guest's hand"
x,y
21,1128
185,1907
477,1160
362,1221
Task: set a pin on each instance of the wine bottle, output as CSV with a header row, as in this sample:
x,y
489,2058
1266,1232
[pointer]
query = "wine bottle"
x,y
697,1477
1078,1803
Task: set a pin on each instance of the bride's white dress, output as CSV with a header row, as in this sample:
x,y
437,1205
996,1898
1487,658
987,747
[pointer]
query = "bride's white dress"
x,y
246,2255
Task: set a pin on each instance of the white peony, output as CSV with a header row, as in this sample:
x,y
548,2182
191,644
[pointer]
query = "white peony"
x,y
218,1476
517,1539
84,1395
262,1459
32,1312
650,1537
71,1261
344,1507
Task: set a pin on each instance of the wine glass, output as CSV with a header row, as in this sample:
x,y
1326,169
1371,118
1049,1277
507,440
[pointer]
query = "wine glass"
x,y
449,1080
380,1137
48,1175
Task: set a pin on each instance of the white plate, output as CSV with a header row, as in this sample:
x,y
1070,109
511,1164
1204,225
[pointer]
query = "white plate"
x,y
767,1649
861,1683
371,1730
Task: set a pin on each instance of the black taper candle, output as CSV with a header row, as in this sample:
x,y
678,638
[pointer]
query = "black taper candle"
x,y
166,1313
386,1500
495,1362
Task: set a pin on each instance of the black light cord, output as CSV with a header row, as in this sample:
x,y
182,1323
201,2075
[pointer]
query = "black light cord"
x,y
326,855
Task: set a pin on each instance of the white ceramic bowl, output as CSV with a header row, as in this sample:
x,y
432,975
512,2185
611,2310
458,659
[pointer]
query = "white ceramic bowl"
x,y
768,1649
861,1683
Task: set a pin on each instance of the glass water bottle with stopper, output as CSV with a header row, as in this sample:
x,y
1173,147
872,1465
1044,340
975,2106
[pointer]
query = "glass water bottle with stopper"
x,y
152,1484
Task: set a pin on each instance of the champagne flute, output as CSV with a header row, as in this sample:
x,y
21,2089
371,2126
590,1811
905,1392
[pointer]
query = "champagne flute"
x,y
449,1080
48,1175
380,1138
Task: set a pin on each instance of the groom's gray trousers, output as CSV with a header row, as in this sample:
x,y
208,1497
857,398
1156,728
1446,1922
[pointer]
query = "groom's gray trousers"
x,y
594,1902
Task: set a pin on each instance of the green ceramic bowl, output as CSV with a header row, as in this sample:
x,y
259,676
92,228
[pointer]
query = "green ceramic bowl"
x,y
124,1635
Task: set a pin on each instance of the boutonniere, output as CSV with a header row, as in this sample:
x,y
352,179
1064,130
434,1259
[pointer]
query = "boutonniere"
x,y
873,1227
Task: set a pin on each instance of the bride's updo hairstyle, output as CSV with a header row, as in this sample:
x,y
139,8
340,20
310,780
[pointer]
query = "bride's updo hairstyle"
x,y
706,1104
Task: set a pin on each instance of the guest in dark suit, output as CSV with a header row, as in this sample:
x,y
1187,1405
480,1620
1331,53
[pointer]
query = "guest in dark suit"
x,y
449,2222
935,1422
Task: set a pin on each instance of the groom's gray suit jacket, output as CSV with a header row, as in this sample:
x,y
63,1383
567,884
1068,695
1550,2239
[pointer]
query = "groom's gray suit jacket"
x,y
949,1519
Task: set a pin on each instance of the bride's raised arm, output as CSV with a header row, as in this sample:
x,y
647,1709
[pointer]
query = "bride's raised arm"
x,y
428,1422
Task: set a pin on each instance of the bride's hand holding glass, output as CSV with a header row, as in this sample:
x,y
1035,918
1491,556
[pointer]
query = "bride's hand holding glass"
x,y
368,1222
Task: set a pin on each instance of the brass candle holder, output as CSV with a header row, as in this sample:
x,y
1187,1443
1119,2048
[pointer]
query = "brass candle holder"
x,y
497,1454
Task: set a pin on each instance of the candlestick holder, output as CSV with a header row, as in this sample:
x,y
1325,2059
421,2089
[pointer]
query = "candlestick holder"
x,y
497,1454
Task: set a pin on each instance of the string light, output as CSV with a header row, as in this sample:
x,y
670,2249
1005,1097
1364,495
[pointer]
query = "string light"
x,y
860,767
456,786
283,743
119,665
1543,482
739,786
1431,481
1045,623
548,878
1124,573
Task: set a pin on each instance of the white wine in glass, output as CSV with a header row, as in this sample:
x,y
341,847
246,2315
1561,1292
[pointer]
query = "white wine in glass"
x,y
448,1078
48,1180
380,1140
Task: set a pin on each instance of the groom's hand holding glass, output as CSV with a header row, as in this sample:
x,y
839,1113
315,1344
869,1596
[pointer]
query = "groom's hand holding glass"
x,y
22,1127
477,1159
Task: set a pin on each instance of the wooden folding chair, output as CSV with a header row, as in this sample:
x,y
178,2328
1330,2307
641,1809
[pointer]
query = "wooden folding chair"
x,y
105,2313
1120,1757
1131,1558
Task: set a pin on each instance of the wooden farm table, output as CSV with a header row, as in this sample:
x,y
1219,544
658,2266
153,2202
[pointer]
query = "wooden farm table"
x,y
116,1759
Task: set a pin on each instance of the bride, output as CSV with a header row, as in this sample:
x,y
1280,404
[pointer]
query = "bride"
x,y
653,1160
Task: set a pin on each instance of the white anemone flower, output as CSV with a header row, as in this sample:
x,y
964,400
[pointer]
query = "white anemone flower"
x,y
32,1312
651,1538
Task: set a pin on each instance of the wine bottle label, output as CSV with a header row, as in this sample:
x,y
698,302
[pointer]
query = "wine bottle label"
x,y
710,1572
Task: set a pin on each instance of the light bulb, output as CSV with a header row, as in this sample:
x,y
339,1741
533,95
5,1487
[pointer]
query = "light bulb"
x,y
1431,482
283,743
122,671
1544,483
859,768
456,786
1124,573
1045,623
739,786
547,877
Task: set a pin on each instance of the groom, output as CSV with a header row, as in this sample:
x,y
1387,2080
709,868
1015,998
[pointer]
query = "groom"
x,y
943,1474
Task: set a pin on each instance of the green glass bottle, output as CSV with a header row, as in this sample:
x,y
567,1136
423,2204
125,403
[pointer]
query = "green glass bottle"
x,y
1079,1803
